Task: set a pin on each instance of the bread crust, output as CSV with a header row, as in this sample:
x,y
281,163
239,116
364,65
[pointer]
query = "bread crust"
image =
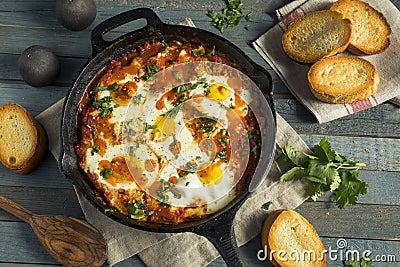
x,y
316,35
288,225
343,79
370,30
23,141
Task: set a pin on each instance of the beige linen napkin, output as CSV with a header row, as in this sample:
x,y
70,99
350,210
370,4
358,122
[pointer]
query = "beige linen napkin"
x,y
187,249
294,75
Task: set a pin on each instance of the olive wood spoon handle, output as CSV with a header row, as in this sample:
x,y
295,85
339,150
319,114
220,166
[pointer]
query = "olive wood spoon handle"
x,y
70,241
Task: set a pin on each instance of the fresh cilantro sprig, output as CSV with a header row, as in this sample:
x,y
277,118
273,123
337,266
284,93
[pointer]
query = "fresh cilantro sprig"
x,y
230,17
326,170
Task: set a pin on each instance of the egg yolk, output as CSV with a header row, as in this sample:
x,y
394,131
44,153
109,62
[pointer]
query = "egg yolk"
x,y
164,128
211,174
218,91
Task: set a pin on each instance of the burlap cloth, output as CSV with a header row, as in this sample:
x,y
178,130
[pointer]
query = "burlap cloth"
x,y
294,75
187,249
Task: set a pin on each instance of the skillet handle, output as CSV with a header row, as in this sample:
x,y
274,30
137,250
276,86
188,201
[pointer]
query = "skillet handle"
x,y
97,37
221,234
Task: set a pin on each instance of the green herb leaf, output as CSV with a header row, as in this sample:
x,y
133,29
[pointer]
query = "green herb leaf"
x,y
138,210
164,43
198,52
230,17
326,170
212,51
293,174
266,205
104,106
151,71
95,149
106,172
349,188
112,87
149,126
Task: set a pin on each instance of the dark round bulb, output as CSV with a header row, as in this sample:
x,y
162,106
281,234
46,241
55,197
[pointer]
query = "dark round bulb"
x,y
38,66
75,15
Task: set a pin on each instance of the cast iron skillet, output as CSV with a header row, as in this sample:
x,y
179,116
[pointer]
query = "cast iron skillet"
x,y
218,227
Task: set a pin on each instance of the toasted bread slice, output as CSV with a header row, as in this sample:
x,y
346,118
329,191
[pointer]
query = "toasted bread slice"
x,y
23,140
316,35
292,241
343,79
370,30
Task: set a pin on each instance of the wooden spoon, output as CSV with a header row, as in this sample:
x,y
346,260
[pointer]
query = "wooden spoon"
x,y
70,241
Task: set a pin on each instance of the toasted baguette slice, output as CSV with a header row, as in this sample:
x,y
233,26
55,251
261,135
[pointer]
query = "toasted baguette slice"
x,y
292,241
343,79
23,140
316,35
370,30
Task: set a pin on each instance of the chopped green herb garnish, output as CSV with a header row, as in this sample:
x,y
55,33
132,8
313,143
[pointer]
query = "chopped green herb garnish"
x,y
137,99
173,112
164,43
212,51
207,125
112,87
149,126
151,71
224,132
252,135
223,156
232,106
104,106
326,170
230,17
139,209
266,205
256,148
198,52
108,211
165,205
223,141
106,173
187,183
166,52
177,75
95,149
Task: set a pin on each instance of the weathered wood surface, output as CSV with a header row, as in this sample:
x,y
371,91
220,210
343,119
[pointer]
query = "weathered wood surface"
x,y
371,136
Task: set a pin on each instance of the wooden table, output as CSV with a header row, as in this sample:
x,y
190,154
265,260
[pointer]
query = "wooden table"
x,y
371,136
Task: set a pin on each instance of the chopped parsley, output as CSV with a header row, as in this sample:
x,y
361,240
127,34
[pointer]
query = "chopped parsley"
x,y
137,99
165,187
212,51
106,172
198,52
104,106
164,43
177,75
151,71
139,209
266,205
252,135
149,126
230,17
112,87
223,156
223,141
95,149
207,125
173,112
